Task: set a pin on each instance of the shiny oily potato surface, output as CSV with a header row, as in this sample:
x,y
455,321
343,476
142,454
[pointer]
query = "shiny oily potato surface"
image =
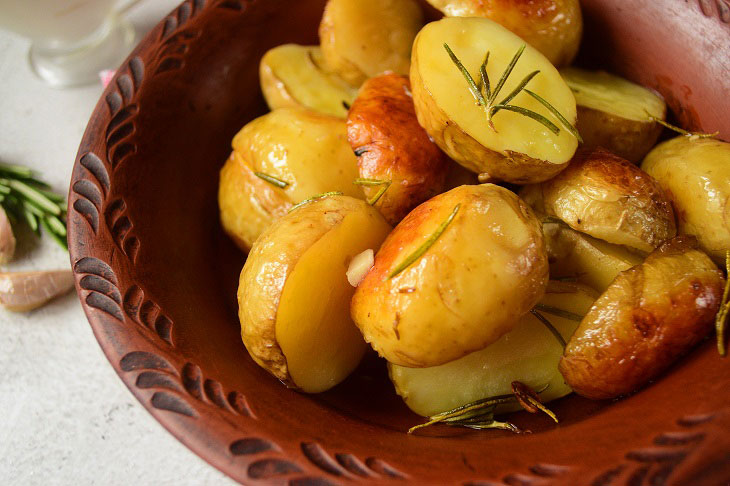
x,y
696,176
393,148
648,317
294,76
529,353
553,27
613,113
487,269
608,198
293,295
364,38
519,149
306,150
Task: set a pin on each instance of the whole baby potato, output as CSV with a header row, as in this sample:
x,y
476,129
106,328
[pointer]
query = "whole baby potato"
x,y
393,149
553,27
614,113
529,353
695,174
608,198
279,159
484,266
363,38
294,297
514,147
294,76
648,317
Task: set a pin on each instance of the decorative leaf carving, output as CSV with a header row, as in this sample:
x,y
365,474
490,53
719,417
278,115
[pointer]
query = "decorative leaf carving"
x,y
147,314
251,445
348,465
101,285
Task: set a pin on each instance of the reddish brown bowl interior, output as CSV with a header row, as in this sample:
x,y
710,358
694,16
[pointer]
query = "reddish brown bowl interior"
x,y
157,277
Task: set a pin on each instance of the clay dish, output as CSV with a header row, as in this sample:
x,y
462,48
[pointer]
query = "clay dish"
x,y
157,277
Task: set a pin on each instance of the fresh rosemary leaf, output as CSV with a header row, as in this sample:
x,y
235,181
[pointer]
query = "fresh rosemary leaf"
x,y
30,193
56,225
550,327
4,189
49,228
494,424
516,91
373,182
506,74
271,180
530,401
568,126
16,171
31,219
559,312
679,130
484,77
426,244
530,114
57,198
721,318
475,92
314,198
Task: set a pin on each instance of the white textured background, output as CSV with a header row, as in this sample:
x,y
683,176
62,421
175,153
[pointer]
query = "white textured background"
x,y
65,417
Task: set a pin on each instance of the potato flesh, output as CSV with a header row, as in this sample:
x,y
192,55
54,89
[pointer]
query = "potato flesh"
x,y
313,326
363,38
293,75
591,261
553,27
648,317
470,39
488,267
529,353
306,150
696,176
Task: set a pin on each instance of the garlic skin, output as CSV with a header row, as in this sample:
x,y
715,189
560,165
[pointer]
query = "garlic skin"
x,y
359,266
7,238
24,291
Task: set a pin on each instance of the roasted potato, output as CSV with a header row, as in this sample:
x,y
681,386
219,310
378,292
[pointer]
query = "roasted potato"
x,y
589,260
613,113
529,353
293,295
696,176
609,198
483,267
648,317
458,175
278,160
518,149
294,76
393,149
363,38
553,27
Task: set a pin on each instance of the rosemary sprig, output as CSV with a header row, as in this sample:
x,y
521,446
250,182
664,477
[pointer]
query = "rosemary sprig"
x,y
314,198
480,413
721,318
681,131
426,244
487,97
26,198
271,180
559,312
550,327
374,182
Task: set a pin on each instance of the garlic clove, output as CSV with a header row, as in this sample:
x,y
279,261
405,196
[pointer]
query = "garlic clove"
x,y
7,238
360,266
24,291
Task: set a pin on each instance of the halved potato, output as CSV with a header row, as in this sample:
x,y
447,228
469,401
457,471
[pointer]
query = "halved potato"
x,y
293,295
613,113
518,149
609,198
695,174
487,267
589,260
363,38
294,76
553,27
648,317
303,151
392,148
529,353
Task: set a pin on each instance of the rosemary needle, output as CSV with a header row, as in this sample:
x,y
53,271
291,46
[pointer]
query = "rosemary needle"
x,y
271,180
550,327
314,198
374,182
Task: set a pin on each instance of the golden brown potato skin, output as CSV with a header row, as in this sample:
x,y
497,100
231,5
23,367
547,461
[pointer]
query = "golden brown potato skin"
x,y
383,130
487,269
553,27
648,317
609,198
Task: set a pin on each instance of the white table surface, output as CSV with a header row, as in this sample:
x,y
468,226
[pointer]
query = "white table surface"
x,y
65,416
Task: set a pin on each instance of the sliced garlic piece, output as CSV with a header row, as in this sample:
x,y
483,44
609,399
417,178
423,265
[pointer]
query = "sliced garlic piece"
x,y
359,266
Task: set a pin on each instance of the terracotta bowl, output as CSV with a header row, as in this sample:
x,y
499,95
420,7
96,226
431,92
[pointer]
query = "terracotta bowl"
x,y
157,277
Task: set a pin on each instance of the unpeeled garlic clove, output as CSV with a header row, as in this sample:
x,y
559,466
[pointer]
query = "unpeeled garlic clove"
x,y
7,238
24,291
